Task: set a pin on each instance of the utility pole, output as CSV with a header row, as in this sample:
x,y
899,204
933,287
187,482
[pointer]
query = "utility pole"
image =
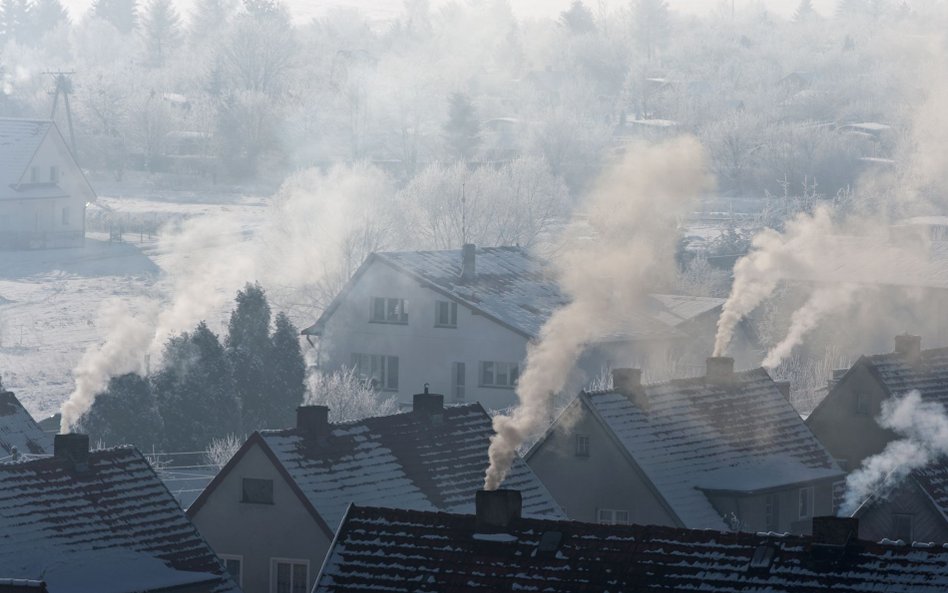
x,y
463,217
63,86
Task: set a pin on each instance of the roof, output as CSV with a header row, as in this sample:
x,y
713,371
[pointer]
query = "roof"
x,y
402,460
114,527
899,374
380,549
19,141
515,289
697,437
18,429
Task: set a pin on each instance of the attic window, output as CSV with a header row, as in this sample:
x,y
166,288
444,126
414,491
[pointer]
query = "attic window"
x,y
257,491
763,557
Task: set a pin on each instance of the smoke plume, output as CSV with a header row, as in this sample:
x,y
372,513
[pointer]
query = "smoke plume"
x,y
620,243
924,426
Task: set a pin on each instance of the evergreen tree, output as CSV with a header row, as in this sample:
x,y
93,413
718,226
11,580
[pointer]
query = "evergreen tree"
x,y
46,15
14,19
578,19
804,11
123,14
462,130
248,348
126,413
287,373
208,19
651,25
161,30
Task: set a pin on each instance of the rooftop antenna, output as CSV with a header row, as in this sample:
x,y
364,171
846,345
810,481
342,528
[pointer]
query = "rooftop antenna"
x,y
63,86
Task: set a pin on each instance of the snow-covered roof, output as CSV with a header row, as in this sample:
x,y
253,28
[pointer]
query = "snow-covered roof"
x,y
379,549
899,374
517,290
675,309
112,527
19,141
405,460
18,429
696,436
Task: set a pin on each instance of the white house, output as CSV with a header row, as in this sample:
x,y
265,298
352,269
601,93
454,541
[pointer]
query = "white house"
x,y
43,193
460,320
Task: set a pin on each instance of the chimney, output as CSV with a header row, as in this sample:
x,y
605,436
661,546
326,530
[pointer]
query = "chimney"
x,y
628,382
720,370
835,531
312,421
429,404
784,387
496,510
73,449
468,263
908,346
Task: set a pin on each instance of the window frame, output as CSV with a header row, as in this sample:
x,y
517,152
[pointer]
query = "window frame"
x,y
393,311
387,365
772,512
810,492
581,445
65,216
34,174
243,491
451,309
458,381
511,374
274,567
863,404
240,572
613,516
53,174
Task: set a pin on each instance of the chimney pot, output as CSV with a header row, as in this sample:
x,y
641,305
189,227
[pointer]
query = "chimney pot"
x,y
468,262
430,404
73,449
628,382
720,370
835,531
313,421
496,510
908,346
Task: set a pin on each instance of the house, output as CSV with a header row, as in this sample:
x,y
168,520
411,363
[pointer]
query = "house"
x,y
379,549
20,435
274,508
43,192
914,511
461,320
725,450
101,521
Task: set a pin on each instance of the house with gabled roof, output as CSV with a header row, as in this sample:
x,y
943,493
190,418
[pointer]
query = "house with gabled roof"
x,y
43,192
101,521
722,451
914,510
20,435
274,508
383,549
461,321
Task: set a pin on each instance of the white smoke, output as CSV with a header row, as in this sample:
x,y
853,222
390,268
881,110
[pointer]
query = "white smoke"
x,y
924,426
620,243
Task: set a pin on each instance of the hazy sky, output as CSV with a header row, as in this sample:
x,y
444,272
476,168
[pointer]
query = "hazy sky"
x,y
304,9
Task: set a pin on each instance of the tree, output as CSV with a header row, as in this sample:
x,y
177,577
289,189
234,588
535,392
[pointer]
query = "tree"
x,y
161,30
804,11
125,413
248,348
651,25
259,49
209,18
46,15
286,374
578,18
14,18
348,396
462,130
122,14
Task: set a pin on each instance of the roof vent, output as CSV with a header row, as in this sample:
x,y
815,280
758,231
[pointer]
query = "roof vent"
x,y
835,531
73,449
763,557
468,262
908,346
628,382
720,370
312,421
549,544
496,510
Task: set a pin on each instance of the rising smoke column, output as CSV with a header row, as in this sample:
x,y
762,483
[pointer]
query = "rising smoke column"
x,y
924,426
622,240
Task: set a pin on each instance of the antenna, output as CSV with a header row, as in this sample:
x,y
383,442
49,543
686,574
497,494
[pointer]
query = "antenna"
x,y
63,87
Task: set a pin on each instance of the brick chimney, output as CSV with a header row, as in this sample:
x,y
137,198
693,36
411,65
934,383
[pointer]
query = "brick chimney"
x,y
496,510
835,531
468,263
429,404
73,449
313,421
720,370
908,346
628,382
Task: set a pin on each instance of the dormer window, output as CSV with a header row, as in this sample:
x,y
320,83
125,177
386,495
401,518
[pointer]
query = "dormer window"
x,y
386,310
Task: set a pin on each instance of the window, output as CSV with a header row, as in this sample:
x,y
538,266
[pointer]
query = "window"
x,y
499,374
288,576
234,565
806,502
388,311
772,512
446,314
380,370
257,491
54,174
66,216
34,174
582,445
902,527
763,556
862,403
458,379
613,517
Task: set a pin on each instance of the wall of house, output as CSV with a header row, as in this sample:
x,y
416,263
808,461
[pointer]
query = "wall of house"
x,y
750,511
847,433
878,521
425,352
259,532
605,479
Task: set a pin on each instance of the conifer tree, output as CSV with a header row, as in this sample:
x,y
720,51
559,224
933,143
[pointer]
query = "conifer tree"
x,y
578,18
804,11
651,25
462,130
126,413
208,19
161,30
123,14
14,19
248,349
286,373
46,15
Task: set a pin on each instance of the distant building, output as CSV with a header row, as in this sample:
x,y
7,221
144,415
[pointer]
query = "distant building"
x,y
461,321
726,450
20,435
915,511
383,549
99,521
274,508
43,192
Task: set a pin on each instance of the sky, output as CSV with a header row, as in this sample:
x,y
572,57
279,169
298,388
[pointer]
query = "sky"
x,y
305,9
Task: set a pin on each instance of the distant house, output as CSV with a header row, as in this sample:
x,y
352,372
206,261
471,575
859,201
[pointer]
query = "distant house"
x,y
43,193
274,508
381,549
20,435
461,321
726,450
99,521
915,511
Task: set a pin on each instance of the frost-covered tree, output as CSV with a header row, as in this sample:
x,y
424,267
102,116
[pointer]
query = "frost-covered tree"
x,y
260,48
462,130
209,18
804,12
286,380
220,450
126,413
160,30
46,15
578,18
248,349
14,19
122,14
348,396
650,20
